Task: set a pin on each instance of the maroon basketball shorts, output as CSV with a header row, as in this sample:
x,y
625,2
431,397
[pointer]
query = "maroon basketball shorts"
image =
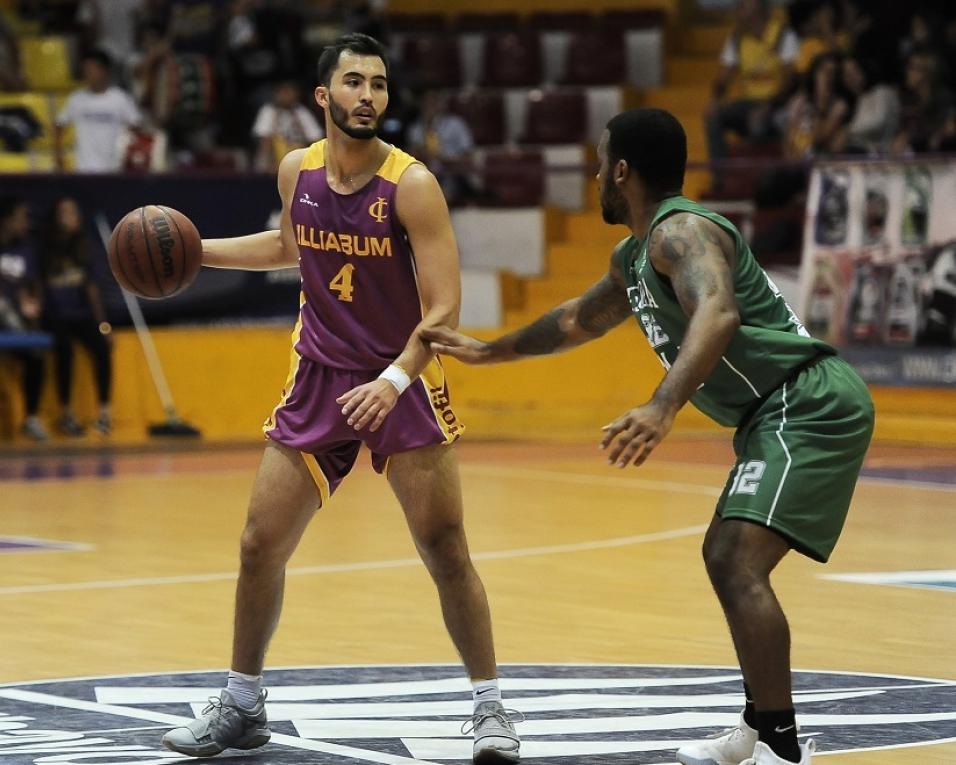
x,y
309,420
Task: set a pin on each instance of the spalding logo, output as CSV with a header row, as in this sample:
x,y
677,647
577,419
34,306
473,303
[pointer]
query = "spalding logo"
x,y
401,715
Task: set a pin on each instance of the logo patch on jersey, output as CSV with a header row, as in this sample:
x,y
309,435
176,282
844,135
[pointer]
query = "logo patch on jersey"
x,y
402,715
306,200
377,209
348,244
641,297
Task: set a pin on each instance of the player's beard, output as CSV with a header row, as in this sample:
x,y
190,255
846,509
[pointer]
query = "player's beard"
x,y
340,118
613,204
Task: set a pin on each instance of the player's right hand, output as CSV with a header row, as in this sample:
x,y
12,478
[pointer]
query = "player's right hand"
x,y
451,343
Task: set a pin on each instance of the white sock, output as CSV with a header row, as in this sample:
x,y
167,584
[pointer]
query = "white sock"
x,y
485,690
244,688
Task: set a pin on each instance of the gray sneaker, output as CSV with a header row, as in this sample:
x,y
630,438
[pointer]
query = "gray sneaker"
x,y
223,724
496,742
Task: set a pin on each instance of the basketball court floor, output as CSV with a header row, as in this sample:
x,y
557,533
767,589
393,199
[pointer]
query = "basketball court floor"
x,y
117,575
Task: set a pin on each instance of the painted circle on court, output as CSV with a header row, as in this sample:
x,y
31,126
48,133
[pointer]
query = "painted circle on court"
x,y
585,714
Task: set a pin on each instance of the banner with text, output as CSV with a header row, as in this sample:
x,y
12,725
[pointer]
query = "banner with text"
x,y
878,273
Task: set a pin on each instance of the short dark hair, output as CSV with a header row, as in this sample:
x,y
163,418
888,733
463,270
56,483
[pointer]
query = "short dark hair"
x,y
100,56
357,43
653,144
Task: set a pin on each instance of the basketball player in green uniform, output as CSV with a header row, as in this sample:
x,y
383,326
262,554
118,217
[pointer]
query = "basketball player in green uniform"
x,y
731,346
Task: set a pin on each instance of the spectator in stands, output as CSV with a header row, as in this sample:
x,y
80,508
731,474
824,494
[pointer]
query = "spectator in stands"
x,y
818,26
927,106
74,311
923,36
444,142
265,47
146,64
99,112
814,125
818,113
195,26
11,75
110,25
759,58
283,125
876,115
20,302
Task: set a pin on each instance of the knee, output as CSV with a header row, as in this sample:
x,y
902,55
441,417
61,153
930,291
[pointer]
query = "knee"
x,y
732,578
445,551
260,551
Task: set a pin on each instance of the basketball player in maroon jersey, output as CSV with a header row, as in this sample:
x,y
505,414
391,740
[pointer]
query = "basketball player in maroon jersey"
x,y
370,231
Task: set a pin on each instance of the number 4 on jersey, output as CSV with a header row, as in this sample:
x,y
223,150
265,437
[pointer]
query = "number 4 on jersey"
x,y
342,283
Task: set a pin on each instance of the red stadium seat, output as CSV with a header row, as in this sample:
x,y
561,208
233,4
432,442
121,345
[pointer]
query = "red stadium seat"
x,y
555,116
561,21
648,18
595,58
435,59
406,23
484,111
514,178
487,22
512,60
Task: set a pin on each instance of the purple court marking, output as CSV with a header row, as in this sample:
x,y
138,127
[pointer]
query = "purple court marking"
x,y
942,474
31,544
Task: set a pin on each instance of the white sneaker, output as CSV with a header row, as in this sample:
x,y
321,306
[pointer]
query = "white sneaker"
x,y
731,747
764,755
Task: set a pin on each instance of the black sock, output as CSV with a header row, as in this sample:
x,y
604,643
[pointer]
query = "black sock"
x,y
778,730
750,711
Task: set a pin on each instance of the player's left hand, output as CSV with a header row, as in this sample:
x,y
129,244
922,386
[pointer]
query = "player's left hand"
x,y
637,432
368,403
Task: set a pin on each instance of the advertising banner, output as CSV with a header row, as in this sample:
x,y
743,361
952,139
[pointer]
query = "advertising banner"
x,y
878,274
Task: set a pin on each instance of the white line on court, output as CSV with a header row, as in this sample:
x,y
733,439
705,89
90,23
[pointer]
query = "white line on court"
x,y
612,482
350,752
333,568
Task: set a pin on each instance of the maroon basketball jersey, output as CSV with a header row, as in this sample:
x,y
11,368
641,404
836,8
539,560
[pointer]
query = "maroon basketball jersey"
x,y
360,299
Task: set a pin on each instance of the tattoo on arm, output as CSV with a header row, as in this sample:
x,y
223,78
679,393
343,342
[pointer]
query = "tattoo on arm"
x,y
541,337
695,260
603,307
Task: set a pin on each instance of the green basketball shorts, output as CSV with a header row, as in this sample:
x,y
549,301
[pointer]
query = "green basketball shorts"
x,y
799,456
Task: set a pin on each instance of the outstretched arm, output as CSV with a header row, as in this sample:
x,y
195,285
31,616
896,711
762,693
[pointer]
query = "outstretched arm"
x,y
587,317
698,257
266,250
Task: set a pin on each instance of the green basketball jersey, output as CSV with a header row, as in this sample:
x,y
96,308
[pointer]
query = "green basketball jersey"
x,y
765,350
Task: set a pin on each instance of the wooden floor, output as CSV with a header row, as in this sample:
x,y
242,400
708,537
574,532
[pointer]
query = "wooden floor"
x,y
583,564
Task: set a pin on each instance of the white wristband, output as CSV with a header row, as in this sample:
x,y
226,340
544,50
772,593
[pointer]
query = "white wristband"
x,y
397,377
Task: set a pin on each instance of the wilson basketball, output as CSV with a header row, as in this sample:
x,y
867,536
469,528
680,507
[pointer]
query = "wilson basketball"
x,y
155,252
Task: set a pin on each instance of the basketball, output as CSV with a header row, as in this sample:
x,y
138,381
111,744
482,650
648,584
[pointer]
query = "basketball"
x,y
155,252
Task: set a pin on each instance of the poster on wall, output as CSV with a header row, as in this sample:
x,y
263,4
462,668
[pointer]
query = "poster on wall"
x,y
878,272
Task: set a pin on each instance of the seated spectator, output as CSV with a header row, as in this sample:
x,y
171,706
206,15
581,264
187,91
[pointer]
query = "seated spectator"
x,y
283,125
99,112
110,25
444,142
876,115
758,57
818,26
11,75
817,114
925,28
926,106
20,303
73,311
145,65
